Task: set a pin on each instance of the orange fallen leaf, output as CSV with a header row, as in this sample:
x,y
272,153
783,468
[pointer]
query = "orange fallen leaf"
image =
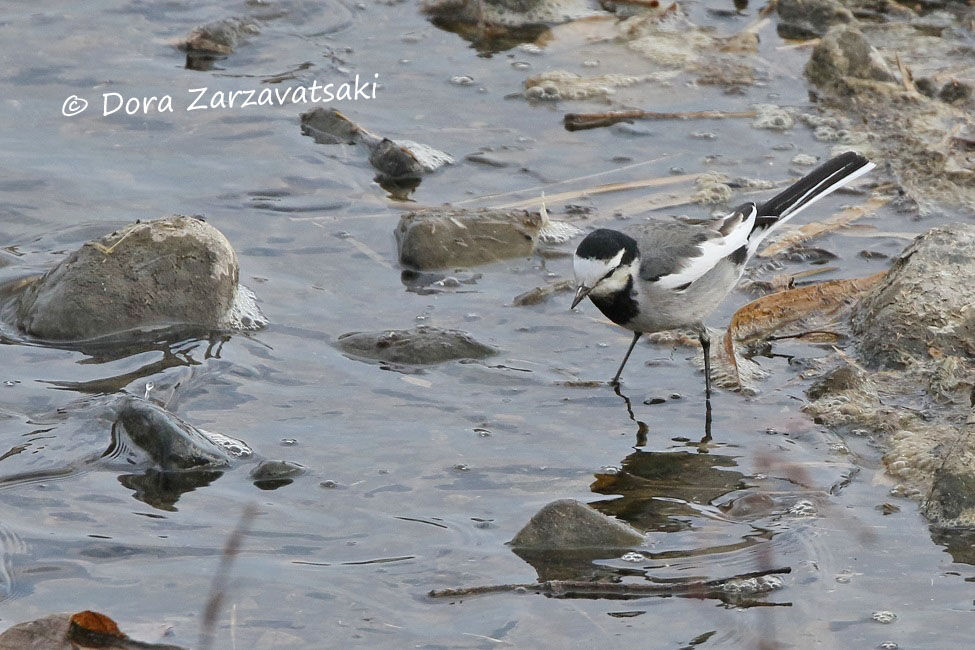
x,y
762,317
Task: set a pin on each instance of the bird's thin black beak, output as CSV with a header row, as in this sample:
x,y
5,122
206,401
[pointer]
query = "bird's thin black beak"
x,y
581,293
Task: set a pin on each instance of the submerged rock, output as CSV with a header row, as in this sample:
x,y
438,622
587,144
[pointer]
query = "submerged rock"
x,y
418,346
272,474
805,19
435,239
219,37
394,159
925,306
570,525
169,442
509,13
560,84
173,272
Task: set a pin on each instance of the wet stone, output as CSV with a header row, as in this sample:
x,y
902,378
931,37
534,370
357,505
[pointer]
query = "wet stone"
x,y
219,37
806,19
845,52
435,239
568,524
843,378
418,346
924,302
169,442
178,271
272,474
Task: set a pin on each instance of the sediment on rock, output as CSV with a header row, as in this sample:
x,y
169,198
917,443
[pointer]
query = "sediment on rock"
x,y
435,239
418,346
173,272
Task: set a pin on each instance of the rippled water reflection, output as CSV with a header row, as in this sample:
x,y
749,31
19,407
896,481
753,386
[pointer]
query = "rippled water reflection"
x,y
415,481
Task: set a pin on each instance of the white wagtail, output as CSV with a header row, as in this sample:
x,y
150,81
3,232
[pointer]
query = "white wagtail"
x,y
670,274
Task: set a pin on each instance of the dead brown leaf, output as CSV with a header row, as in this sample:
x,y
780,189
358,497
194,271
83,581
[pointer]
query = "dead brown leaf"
x,y
763,317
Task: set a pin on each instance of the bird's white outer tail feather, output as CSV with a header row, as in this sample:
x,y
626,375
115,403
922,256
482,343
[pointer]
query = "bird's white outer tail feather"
x,y
835,181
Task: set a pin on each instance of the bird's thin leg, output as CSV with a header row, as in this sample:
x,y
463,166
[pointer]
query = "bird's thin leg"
x,y
705,340
616,378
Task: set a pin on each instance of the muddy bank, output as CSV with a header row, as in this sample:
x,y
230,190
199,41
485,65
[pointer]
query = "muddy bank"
x,y
912,383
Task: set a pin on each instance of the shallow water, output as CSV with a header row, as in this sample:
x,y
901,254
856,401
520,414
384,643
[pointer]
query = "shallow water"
x,y
434,471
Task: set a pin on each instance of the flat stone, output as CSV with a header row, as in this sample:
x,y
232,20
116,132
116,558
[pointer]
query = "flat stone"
x,y
418,346
435,239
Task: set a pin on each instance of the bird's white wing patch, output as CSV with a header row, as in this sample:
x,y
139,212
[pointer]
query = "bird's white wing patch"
x,y
712,252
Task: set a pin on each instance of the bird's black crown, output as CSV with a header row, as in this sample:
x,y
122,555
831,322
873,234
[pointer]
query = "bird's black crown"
x,y
605,244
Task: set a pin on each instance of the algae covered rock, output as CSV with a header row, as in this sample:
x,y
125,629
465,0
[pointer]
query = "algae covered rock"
x,y
925,305
805,19
436,239
418,346
845,52
570,525
172,272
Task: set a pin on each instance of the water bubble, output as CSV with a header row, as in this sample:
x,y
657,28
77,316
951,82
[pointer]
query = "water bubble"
x,y
234,447
10,382
759,585
461,467
462,80
471,317
633,557
883,616
888,645
590,63
288,442
530,48
610,470
482,433
520,65
329,484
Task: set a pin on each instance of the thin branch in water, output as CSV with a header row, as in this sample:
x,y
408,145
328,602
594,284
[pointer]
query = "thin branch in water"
x,y
581,121
580,588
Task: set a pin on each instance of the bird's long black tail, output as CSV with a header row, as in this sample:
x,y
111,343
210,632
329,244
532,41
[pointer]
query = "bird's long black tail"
x,y
831,175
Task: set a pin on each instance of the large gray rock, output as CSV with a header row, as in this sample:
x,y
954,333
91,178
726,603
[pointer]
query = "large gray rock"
x,y
926,304
844,52
172,272
420,345
805,19
570,525
436,239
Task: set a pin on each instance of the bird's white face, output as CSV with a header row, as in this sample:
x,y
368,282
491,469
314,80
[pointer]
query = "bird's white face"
x,y
598,277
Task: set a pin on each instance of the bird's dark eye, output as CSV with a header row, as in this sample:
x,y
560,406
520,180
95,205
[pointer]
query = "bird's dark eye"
x,y
611,272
